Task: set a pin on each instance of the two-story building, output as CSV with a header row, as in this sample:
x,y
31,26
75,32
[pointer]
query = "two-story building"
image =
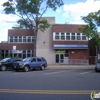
x,y
60,43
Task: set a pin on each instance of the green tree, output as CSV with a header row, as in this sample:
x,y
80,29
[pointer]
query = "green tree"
x,y
91,29
30,13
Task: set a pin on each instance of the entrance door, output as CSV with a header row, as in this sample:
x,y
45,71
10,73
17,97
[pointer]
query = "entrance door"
x,y
61,57
57,58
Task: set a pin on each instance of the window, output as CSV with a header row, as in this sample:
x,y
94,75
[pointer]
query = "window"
x,y
20,38
57,36
32,38
83,36
29,39
24,38
67,36
15,39
11,39
38,59
72,36
62,36
34,60
78,36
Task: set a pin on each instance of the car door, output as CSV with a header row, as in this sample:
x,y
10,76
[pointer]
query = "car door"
x,y
33,63
39,62
10,63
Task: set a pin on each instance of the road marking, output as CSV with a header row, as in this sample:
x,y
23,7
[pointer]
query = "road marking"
x,y
87,72
54,72
48,91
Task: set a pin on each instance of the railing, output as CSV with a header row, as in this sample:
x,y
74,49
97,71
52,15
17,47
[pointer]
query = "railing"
x,y
74,61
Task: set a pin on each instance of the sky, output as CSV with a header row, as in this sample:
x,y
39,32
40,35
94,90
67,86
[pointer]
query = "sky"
x,y
69,13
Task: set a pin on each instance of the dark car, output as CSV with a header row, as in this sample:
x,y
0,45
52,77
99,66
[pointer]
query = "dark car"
x,y
30,63
7,63
97,67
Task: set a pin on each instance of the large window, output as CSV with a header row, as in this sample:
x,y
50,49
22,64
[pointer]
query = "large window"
x,y
21,39
69,36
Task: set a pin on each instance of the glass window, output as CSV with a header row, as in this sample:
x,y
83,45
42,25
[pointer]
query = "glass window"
x,y
62,36
15,39
24,38
28,51
83,36
67,36
29,39
20,38
57,36
78,36
32,38
34,60
38,59
72,36
11,38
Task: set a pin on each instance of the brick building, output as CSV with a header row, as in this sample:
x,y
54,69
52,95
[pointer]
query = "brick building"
x,y
60,43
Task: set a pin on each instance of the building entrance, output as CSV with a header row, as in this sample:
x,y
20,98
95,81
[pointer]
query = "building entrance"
x,y
61,56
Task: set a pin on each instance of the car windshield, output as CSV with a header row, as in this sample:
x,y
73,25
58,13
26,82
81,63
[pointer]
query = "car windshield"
x,y
5,59
27,59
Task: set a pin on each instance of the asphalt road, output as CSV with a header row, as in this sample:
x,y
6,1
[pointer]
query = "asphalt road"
x,y
49,84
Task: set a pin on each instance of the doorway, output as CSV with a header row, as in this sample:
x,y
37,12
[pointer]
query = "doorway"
x,y
60,58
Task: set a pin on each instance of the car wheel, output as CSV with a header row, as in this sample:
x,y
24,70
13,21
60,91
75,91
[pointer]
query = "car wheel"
x,y
42,67
26,68
96,69
3,68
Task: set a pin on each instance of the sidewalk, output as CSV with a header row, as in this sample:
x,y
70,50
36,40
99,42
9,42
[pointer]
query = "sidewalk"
x,y
62,67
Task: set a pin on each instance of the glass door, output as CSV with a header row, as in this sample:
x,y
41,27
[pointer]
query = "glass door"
x,y
61,58
57,58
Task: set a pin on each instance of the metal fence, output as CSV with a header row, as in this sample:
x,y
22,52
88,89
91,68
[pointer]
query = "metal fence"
x,y
74,61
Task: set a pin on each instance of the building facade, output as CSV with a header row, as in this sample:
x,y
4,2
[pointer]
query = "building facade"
x,y
60,43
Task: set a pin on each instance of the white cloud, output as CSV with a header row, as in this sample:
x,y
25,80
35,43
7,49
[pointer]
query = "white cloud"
x,y
73,12
58,10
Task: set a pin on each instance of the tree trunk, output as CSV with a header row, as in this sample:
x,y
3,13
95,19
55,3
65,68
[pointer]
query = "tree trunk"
x,y
35,42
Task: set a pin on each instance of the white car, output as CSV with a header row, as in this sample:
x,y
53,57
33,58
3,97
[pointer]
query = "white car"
x,y
97,67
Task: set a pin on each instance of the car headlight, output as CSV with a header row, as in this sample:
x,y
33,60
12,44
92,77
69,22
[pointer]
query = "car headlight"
x,y
21,64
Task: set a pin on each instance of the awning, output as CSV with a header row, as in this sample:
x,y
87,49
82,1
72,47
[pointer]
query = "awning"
x,y
70,46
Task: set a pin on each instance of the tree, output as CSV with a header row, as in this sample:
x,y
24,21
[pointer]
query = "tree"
x,y
30,13
91,29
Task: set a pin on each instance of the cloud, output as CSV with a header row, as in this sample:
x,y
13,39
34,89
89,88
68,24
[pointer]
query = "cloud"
x,y
58,10
73,12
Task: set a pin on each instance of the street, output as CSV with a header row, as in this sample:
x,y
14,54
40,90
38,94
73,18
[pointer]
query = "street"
x,y
49,84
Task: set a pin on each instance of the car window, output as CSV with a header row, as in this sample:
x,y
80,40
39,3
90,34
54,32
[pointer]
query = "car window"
x,y
33,60
99,61
38,59
43,59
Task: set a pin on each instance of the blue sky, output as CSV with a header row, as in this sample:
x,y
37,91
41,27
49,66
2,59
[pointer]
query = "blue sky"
x,y
70,13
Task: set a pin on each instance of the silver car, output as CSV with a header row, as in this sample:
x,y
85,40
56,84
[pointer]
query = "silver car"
x,y
97,67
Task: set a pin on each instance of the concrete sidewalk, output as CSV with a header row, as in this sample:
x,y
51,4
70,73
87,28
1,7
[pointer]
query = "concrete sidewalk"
x,y
62,67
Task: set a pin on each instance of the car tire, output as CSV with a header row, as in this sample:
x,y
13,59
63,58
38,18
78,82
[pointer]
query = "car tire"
x,y
42,67
96,69
3,68
26,68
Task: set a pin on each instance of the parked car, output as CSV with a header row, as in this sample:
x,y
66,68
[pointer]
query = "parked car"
x,y
97,67
7,63
30,63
